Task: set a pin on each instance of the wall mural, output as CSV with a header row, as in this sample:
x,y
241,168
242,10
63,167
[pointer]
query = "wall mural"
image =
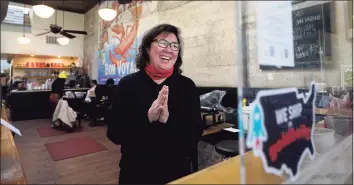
x,y
118,42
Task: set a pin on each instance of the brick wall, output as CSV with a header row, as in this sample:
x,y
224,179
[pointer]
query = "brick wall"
x,y
209,32
91,42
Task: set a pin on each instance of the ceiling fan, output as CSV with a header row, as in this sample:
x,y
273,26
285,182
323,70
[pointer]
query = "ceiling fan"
x,y
66,33
54,28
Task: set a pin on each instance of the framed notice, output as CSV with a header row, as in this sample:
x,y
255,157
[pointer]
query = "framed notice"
x,y
311,30
275,34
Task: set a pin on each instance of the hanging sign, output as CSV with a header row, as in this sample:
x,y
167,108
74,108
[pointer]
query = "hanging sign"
x,y
281,129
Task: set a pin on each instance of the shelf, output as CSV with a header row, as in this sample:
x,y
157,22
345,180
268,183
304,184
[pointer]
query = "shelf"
x,y
42,67
37,77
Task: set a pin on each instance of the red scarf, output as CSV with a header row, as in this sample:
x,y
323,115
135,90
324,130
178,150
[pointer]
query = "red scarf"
x,y
158,74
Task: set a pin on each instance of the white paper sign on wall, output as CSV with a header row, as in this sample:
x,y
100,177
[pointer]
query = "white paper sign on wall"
x,y
275,45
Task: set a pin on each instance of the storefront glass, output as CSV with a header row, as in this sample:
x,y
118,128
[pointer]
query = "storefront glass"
x,y
296,72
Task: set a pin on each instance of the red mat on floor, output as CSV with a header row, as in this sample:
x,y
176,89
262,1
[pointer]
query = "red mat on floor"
x,y
73,147
49,131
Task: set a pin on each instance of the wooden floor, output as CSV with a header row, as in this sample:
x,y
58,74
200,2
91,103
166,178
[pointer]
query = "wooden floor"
x,y
97,168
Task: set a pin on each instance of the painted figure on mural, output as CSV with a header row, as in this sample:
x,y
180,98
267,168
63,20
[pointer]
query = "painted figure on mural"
x,y
126,37
118,40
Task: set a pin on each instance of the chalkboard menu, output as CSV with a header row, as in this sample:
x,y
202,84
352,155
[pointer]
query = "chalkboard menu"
x,y
310,26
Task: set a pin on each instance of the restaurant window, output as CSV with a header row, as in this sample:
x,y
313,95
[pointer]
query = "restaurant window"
x,y
15,16
5,67
297,89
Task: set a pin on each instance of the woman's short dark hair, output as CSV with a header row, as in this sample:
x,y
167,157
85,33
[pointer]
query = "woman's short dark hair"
x,y
143,57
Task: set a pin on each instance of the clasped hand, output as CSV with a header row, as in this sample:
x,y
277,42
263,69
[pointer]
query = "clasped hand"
x,y
159,109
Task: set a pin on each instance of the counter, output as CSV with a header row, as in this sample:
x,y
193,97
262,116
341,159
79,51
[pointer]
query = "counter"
x,y
331,167
11,169
228,172
32,104
47,90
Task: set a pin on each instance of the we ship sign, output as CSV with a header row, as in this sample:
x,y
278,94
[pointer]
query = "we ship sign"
x,y
281,132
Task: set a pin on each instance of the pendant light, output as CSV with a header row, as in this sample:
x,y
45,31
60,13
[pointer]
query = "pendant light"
x,y
43,11
23,39
107,14
63,40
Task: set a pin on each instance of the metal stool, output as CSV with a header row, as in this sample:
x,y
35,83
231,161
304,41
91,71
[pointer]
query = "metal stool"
x,y
227,148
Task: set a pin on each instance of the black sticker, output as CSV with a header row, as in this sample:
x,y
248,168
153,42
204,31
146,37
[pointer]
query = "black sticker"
x,y
281,129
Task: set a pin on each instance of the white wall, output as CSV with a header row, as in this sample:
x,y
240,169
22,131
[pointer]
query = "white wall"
x,y
38,44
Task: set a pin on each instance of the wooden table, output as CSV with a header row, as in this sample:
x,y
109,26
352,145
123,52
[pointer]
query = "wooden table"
x,y
11,169
228,172
216,128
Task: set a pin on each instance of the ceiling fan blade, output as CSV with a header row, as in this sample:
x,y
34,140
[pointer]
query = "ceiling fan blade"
x,y
67,35
43,33
75,31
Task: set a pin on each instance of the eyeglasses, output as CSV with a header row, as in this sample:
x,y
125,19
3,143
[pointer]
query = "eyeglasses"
x,y
164,44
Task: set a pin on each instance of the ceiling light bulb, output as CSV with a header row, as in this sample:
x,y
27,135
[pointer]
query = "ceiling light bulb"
x,y
43,11
107,14
63,41
23,40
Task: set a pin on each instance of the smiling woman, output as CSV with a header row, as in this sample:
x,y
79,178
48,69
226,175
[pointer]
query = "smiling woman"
x,y
160,36
152,108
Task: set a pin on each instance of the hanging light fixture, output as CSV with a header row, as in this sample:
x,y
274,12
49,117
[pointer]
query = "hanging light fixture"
x,y
23,39
43,11
107,14
63,41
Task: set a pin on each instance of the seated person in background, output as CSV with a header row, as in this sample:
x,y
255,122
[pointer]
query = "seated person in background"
x,y
90,99
91,91
84,81
57,90
101,101
58,87
109,91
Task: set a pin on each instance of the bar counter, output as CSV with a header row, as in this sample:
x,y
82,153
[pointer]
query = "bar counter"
x,y
32,104
11,169
228,172
324,168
